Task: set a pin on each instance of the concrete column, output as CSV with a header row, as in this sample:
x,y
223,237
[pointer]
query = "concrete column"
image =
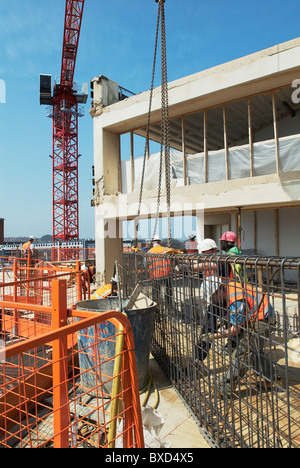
x,y
200,227
108,233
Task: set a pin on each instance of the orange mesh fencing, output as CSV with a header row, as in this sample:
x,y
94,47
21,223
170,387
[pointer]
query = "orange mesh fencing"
x,y
70,384
21,323
24,283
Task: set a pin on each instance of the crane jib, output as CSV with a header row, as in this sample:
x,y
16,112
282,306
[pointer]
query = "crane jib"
x,y
73,18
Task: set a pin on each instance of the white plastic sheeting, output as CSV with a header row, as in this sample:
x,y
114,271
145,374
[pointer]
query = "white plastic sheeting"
x,y
264,162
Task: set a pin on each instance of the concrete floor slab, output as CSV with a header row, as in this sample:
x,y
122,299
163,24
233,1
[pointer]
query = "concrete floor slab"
x,y
180,428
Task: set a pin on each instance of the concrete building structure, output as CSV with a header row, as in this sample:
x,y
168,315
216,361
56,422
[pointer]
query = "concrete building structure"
x,y
235,148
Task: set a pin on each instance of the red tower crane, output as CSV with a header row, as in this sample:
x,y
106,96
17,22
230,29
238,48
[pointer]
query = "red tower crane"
x,y
64,111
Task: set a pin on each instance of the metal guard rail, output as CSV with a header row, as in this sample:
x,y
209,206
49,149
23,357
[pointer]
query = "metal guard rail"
x,y
46,399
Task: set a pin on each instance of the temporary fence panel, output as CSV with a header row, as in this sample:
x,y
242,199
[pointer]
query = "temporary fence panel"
x,y
44,399
31,283
19,323
244,390
51,253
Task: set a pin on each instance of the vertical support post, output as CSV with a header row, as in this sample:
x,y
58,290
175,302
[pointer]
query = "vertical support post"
x,y
16,314
78,281
255,232
250,138
225,142
184,151
132,160
28,274
119,167
277,250
239,228
60,367
205,146
229,222
275,132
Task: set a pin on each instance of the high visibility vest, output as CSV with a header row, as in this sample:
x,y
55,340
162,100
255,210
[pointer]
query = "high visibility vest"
x,y
258,304
159,267
102,292
26,246
237,270
191,247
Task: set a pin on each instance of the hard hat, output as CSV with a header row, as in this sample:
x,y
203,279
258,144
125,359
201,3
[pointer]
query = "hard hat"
x,y
157,239
209,287
229,236
192,236
207,244
31,238
235,251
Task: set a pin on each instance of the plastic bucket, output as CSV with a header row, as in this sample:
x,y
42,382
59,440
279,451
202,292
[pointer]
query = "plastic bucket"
x,y
141,320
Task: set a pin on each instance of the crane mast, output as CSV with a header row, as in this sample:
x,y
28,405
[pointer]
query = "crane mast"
x,y
65,112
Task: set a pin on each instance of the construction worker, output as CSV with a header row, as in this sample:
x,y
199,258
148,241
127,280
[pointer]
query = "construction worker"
x,y
208,247
250,323
146,247
159,270
156,246
206,267
106,290
214,305
159,267
103,292
228,240
191,245
28,246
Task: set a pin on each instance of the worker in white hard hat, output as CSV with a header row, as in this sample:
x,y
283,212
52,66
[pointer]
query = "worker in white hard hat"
x,y
207,266
156,240
208,247
191,245
28,246
159,268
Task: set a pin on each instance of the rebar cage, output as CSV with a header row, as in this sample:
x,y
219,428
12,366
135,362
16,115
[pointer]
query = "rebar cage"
x,y
243,390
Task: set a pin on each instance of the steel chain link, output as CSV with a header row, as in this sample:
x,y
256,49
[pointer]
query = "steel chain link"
x,y
165,139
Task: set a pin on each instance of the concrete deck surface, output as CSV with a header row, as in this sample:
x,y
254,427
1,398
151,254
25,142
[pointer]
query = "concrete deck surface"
x,y
180,428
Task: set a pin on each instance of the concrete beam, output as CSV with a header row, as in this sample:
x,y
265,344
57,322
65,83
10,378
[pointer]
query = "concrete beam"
x,y
269,69
215,197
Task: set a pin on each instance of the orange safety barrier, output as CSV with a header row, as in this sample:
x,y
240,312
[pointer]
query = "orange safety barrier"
x,y
20,323
26,284
55,393
46,252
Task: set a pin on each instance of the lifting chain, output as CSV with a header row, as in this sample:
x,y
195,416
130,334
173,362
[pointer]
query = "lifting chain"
x,y
165,140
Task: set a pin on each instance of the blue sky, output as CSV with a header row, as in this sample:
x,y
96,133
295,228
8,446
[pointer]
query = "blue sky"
x,y
117,40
